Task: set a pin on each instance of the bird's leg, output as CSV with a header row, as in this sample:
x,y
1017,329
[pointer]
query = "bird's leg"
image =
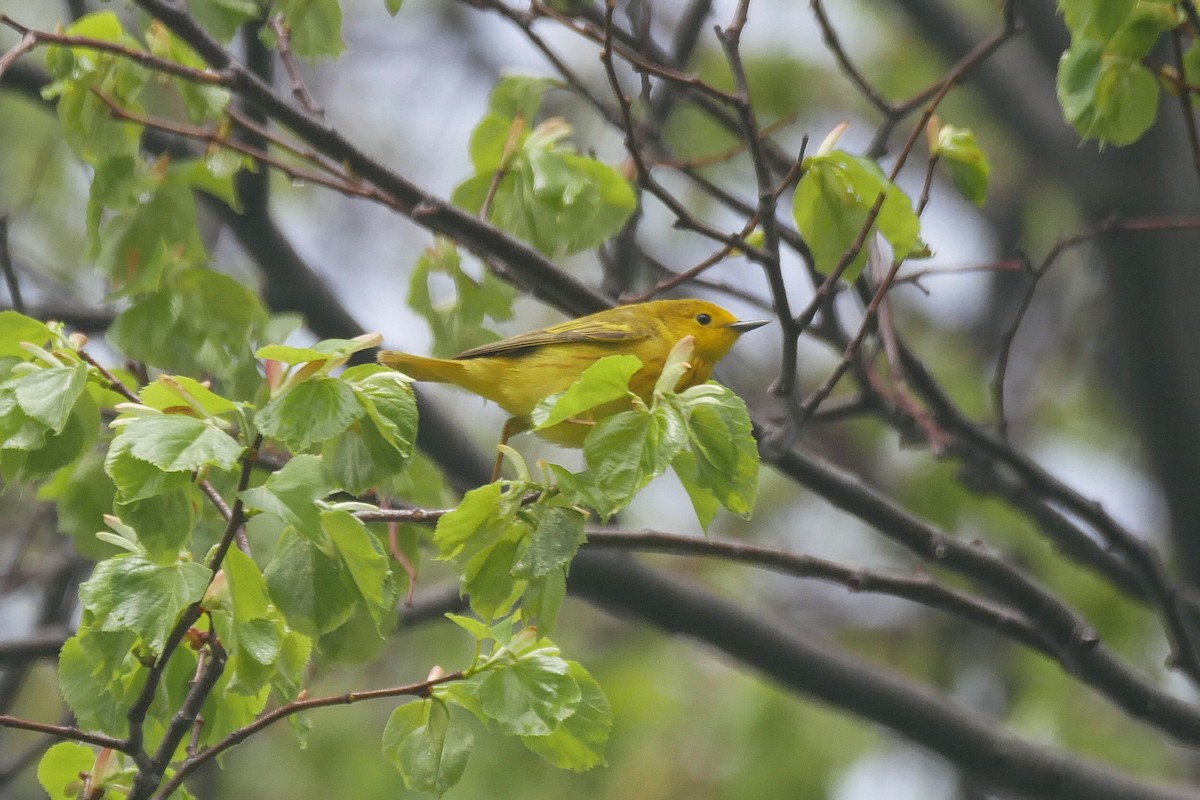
x,y
512,426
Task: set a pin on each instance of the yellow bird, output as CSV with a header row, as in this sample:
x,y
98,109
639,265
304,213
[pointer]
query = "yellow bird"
x,y
518,372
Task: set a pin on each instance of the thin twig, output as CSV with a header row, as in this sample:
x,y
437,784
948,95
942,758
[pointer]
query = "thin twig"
x,y
63,732
208,671
1009,334
919,588
1185,100
873,95
10,274
976,56
283,43
206,76
114,383
421,689
634,59
27,43
345,185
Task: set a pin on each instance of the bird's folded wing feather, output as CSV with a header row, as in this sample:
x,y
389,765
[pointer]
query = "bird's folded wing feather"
x,y
576,330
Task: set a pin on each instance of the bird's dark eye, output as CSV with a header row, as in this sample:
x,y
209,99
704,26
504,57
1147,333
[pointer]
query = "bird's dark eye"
x,y
703,319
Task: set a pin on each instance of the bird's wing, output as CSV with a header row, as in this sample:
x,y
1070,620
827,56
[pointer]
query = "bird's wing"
x,y
576,330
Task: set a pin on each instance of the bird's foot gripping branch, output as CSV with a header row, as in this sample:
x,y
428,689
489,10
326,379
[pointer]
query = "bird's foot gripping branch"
x,y
242,549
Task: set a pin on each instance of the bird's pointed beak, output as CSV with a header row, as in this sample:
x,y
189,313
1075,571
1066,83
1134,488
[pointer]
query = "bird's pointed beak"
x,y
744,325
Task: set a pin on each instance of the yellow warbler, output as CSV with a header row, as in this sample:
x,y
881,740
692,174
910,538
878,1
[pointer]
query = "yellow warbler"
x,y
518,372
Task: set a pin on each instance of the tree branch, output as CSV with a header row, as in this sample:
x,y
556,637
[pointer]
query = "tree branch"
x,y
805,664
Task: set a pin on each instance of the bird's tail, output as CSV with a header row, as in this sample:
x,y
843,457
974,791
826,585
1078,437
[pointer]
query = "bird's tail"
x,y
420,368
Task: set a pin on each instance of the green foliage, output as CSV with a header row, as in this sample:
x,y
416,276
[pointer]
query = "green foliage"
x,y
150,495
48,416
519,681
315,27
86,122
429,742
131,593
458,324
1105,91
833,202
202,101
968,165
309,413
602,382
70,769
534,187
61,766
222,18
705,430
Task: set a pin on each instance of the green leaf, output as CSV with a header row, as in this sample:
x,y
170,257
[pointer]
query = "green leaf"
x,y
558,535
48,395
559,201
226,711
520,95
315,25
136,479
833,202
1144,27
1096,19
604,381
202,101
492,143
16,328
968,165
1105,97
577,743
216,174
390,403
54,450
62,765
165,522
366,562
480,539
308,586
543,598
222,18
99,677
428,741
324,350
626,451
253,637
309,413
292,667
18,431
202,321
393,6
480,508
530,696
458,323
132,593
82,496
179,392
150,331
175,443
488,578
1191,67
378,445
720,434
480,630
704,501
87,123
291,492
139,244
